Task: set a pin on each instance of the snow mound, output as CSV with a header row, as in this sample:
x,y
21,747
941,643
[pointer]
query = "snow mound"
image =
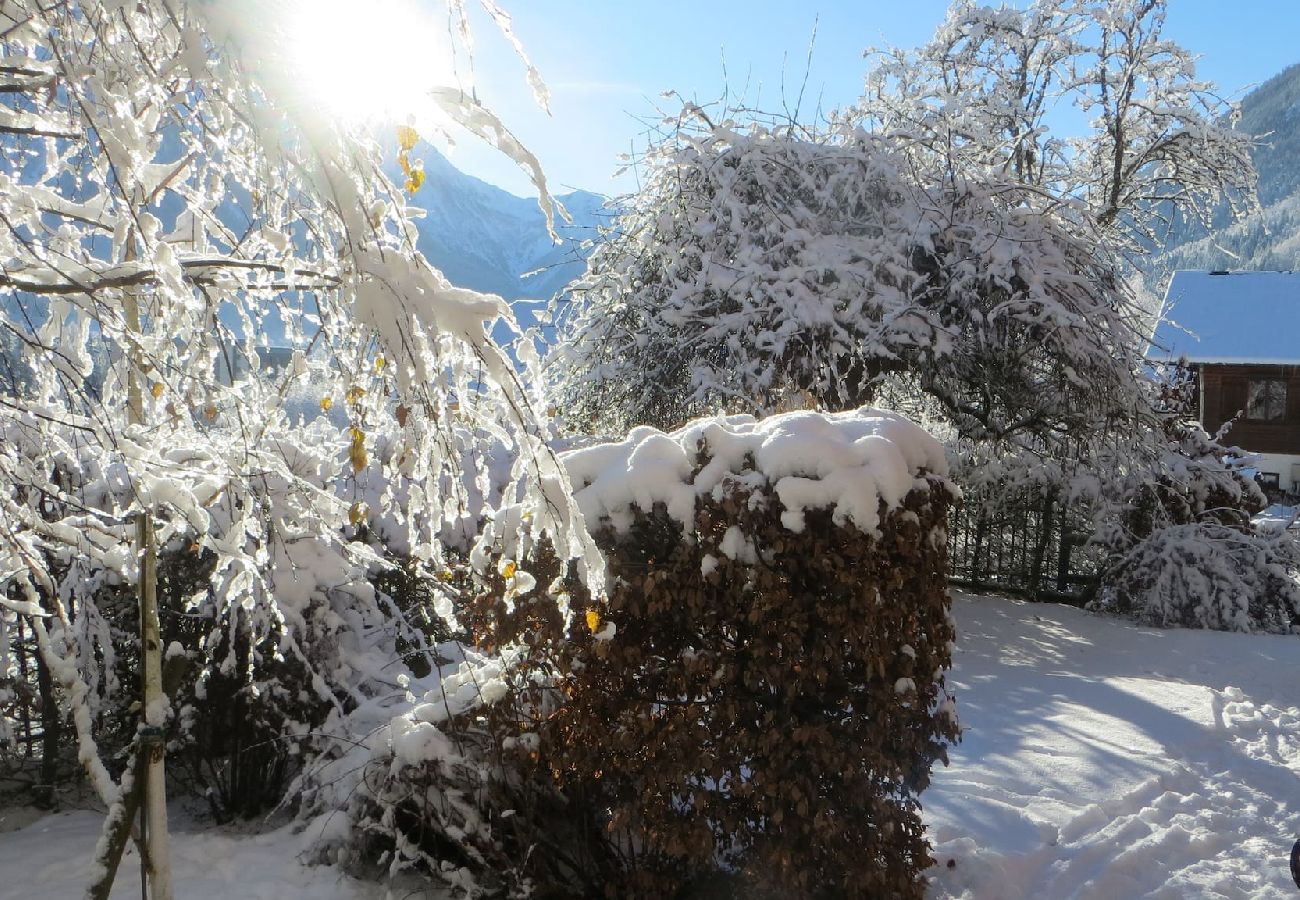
x,y
848,462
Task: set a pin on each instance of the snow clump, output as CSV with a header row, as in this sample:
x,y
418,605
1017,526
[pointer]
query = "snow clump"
x,y
848,462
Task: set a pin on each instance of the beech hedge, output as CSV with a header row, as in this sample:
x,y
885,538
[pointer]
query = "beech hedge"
x,y
752,709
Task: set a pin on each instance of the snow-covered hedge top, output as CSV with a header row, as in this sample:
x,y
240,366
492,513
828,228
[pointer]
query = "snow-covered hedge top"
x,y
846,461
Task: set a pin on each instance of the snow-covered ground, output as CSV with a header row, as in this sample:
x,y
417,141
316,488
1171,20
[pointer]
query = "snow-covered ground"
x,y
1279,516
49,859
1100,760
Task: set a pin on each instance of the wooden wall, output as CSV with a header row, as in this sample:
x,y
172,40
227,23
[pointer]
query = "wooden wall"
x,y
1225,392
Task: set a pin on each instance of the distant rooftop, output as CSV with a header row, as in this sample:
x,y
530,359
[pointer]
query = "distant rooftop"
x,y
1230,317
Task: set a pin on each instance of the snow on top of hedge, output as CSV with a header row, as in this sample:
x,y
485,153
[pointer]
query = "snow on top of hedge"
x,y
847,461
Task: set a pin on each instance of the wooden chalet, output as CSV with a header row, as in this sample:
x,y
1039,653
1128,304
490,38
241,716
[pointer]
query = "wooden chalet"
x,y
1240,333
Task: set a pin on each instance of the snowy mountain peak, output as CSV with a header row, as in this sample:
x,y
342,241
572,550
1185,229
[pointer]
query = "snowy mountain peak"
x,y
1269,240
485,238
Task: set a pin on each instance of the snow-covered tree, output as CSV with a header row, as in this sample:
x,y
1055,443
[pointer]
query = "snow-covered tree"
x,y
761,266
187,247
939,242
942,249
987,95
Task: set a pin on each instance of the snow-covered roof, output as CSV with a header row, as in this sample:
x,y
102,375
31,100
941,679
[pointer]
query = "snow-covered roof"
x,y
1230,317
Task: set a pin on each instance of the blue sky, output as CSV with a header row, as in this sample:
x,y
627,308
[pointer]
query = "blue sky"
x,y
607,63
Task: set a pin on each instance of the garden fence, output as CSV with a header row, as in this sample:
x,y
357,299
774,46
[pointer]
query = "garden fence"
x,y
1033,546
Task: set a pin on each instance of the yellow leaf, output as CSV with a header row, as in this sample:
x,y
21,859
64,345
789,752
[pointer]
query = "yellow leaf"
x,y
355,393
407,137
326,403
380,362
156,390
593,620
357,514
357,450
414,181
509,569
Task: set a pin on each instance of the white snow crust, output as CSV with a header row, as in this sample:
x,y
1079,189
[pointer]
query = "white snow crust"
x,y
848,462
1230,318
1100,760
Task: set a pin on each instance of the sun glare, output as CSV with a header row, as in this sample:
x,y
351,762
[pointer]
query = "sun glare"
x,y
367,62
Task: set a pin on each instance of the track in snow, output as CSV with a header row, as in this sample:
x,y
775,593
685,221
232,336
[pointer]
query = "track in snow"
x,y
1102,760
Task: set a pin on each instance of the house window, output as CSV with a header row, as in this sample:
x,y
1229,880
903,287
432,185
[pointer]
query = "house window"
x,y
1266,400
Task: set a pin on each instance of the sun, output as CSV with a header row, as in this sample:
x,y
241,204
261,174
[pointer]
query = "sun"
x,y
368,62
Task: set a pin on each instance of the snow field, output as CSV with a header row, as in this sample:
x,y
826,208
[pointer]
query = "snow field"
x,y
50,859
1100,760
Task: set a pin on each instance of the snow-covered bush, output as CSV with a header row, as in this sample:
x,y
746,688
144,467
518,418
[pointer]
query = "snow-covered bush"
x,y
270,606
1182,548
760,698
439,782
1207,575
442,776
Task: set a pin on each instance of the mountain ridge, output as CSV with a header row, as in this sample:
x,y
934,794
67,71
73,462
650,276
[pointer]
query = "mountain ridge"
x,y
1268,240
485,238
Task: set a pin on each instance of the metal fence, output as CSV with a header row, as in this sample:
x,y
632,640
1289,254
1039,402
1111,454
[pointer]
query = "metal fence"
x,y
1032,546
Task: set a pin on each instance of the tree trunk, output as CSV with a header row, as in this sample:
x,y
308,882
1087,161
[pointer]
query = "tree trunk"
x,y
118,827
1045,525
153,746
51,731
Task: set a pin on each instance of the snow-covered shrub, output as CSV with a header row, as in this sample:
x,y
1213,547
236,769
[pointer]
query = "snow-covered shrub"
x,y
1208,575
1183,550
761,697
294,599
270,607
248,689
1177,529
430,786
442,777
